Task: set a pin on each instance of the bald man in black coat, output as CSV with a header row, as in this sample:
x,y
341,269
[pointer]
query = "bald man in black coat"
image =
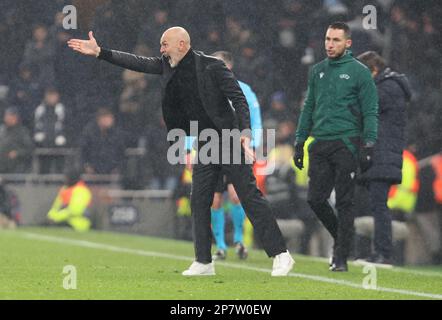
x,y
200,88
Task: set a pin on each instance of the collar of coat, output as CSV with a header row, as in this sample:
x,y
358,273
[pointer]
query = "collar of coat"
x,y
346,57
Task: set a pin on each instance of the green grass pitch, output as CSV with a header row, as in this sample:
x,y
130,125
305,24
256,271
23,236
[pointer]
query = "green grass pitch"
x,y
120,266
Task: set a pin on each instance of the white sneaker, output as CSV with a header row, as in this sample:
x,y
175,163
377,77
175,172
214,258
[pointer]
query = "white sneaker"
x,y
200,269
282,264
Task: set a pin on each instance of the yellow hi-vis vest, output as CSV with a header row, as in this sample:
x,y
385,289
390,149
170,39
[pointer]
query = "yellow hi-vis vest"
x,y
403,197
70,206
436,162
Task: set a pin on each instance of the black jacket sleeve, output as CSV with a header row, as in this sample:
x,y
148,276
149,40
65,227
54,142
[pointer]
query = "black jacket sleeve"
x,y
132,62
229,86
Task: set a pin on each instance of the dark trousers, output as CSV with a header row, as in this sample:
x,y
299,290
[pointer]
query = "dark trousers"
x,y
383,241
332,165
204,181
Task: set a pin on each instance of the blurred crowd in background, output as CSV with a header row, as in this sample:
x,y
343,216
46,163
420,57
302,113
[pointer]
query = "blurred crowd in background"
x,y
54,99
57,93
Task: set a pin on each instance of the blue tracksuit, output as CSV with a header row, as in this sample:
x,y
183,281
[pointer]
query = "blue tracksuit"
x,y
255,114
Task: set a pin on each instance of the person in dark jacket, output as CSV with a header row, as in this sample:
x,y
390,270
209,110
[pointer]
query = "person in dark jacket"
x,y
50,116
49,130
394,93
39,53
102,145
15,144
25,93
197,87
9,207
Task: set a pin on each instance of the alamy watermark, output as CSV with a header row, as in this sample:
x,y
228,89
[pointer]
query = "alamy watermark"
x,y
70,19
370,21
214,147
370,281
70,278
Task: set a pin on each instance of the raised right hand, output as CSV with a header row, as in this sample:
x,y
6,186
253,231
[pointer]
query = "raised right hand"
x,y
86,47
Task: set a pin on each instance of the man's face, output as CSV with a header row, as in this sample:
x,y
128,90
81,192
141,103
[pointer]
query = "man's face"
x,y
10,119
52,98
25,74
171,48
106,121
336,43
40,34
161,16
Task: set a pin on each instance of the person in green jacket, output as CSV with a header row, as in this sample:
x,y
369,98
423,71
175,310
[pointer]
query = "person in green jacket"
x,y
341,113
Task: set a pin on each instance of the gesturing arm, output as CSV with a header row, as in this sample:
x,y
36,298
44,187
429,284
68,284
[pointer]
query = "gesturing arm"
x,y
305,121
122,59
231,89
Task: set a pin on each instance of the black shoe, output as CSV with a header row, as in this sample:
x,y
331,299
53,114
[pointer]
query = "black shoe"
x,y
339,265
220,255
241,251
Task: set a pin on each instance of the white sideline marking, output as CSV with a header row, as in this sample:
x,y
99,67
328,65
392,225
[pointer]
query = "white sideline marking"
x,y
95,245
394,269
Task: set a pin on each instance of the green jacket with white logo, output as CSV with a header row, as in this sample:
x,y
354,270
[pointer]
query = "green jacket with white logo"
x,y
341,102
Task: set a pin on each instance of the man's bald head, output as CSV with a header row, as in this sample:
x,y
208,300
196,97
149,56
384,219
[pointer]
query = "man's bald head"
x,y
175,43
177,34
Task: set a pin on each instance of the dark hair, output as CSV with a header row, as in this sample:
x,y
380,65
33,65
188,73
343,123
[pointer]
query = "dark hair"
x,y
372,60
39,26
226,56
101,112
51,89
13,110
341,26
72,175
